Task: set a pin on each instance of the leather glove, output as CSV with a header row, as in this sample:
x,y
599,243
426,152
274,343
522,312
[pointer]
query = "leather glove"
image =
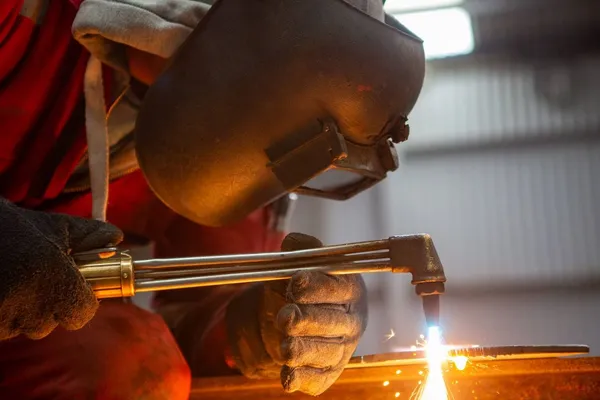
x,y
304,330
40,286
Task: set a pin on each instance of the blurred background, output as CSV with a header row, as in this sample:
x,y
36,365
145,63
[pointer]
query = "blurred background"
x,y
502,168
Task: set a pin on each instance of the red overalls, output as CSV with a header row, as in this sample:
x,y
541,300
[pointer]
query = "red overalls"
x,y
124,352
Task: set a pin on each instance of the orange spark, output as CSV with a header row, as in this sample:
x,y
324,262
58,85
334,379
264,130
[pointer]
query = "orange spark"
x,y
437,356
390,335
460,362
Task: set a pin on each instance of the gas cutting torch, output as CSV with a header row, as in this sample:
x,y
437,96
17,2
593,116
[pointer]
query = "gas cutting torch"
x,y
113,273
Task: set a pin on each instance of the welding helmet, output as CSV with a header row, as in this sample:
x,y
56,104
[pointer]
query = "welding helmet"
x,y
268,97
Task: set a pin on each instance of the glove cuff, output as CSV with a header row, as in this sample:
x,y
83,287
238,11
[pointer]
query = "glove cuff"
x,y
248,351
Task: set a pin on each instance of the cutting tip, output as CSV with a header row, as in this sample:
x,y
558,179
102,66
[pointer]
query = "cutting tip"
x,y
431,308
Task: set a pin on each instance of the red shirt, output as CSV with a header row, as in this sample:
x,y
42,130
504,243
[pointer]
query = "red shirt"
x,y
41,98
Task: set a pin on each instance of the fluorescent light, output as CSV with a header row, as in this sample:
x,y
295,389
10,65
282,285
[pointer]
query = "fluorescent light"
x,y
399,6
445,32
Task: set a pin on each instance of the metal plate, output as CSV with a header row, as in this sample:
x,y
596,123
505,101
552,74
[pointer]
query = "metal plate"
x,y
571,378
474,353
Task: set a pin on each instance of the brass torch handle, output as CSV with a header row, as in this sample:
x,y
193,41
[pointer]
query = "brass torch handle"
x,y
110,277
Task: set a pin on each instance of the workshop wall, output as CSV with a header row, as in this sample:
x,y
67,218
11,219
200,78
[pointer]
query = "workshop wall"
x,y
482,100
502,170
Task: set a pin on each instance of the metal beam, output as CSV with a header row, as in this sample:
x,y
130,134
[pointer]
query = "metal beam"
x,y
515,142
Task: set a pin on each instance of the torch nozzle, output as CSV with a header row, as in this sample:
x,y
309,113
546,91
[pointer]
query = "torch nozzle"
x,y
431,308
430,294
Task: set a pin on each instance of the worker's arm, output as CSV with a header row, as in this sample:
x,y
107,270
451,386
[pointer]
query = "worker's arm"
x,y
287,328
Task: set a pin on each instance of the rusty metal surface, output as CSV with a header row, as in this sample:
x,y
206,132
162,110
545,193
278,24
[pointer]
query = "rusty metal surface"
x,y
412,356
533,379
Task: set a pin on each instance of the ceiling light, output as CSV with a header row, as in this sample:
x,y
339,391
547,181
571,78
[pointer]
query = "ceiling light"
x,y
445,32
400,6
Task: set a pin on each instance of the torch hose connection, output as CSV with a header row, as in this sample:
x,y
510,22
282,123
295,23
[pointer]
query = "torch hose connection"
x,y
115,274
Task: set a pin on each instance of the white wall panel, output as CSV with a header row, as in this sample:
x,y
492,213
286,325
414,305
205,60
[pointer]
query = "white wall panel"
x,y
482,100
508,215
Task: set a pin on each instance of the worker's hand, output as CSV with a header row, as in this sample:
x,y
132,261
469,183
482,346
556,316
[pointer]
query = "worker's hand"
x,y
40,286
304,330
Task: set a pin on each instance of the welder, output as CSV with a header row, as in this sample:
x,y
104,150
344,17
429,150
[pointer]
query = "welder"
x,y
74,76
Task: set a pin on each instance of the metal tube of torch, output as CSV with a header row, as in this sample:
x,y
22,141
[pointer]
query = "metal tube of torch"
x,y
230,276
248,259
120,276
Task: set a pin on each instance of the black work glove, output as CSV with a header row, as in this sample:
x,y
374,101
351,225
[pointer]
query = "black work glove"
x,y
40,286
304,330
